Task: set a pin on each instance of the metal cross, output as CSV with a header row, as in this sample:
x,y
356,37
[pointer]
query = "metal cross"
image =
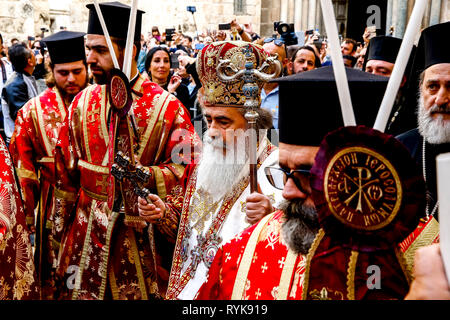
x,y
250,89
92,113
196,255
137,175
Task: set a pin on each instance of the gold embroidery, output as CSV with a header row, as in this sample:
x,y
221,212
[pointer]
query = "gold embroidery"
x,y
402,261
93,167
246,261
351,275
426,237
86,97
46,160
137,261
161,106
95,196
286,275
324,294
26,174
69,196
362,188
201,209
309,257
113,284
84,252
160,182
40,115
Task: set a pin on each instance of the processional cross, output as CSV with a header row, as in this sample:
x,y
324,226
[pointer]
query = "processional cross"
x,y
251,93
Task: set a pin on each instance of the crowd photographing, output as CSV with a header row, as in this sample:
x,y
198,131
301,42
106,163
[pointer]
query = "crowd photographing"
x,y
146,189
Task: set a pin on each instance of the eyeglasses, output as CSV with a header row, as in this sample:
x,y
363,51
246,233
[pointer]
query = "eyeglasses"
x,y
279,176
278,42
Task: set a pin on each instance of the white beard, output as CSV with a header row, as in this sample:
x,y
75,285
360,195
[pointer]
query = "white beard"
x,y
435,130
218,173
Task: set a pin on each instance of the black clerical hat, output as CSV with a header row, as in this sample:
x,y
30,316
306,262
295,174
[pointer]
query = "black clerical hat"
x,y
383,48
116,16
309,104
66,46
433,47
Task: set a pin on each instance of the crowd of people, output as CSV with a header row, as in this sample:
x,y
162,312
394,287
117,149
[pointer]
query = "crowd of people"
x,y
154,197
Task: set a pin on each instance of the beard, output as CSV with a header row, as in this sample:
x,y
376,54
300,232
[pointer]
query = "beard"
x,y
434,129
300,226
101,77
218,173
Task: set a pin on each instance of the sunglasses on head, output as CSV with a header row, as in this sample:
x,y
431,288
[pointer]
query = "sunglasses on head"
x,y
278,42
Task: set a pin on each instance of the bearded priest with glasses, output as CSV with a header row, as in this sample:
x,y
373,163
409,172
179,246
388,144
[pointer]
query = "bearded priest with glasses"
x,y
269,261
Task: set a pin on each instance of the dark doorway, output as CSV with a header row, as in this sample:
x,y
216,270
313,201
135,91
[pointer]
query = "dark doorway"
x,y
358,17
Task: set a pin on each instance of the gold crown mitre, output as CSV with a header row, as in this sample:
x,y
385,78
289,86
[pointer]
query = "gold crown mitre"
x,y
224,69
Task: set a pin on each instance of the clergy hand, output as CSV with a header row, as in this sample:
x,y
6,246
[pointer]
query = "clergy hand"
x,y
153,211
257,207
430,282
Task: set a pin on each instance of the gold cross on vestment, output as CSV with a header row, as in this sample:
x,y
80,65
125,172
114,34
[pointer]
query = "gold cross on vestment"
x,y
103,183
91,114
53,118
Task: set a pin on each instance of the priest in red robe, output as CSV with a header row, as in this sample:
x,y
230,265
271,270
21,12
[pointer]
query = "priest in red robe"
x,y
107,251
297,253
33,143
17,272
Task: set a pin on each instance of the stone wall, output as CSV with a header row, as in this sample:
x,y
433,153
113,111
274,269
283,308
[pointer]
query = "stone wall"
x,y
21,18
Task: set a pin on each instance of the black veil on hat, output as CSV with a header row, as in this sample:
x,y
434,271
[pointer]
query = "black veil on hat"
x,y
309,105
386,48
65,46
383,48
433,47
116,16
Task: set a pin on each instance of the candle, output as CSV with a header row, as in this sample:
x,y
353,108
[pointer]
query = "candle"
x,y
443,188
106,33
130,40
338,63
395,80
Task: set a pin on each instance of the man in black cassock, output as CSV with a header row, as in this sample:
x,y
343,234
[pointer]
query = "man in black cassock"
x,y
432,136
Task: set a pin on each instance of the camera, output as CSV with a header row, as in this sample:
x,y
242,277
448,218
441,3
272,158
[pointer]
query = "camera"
x,y
169,33
191,9
174,60
286,32
224,26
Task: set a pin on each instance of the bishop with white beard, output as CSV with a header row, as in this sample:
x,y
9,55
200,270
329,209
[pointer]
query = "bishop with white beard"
x,y
432,137
214,201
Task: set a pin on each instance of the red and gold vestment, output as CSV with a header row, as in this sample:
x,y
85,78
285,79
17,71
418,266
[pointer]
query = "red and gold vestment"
x,y
17,272
102,255
32,148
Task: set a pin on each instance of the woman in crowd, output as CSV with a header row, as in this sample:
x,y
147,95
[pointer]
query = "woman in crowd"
x,y
159,69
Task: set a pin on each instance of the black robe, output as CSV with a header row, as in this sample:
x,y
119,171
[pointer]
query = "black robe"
x,y
414,143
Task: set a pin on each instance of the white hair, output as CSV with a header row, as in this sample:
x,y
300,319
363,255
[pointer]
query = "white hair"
x,y
435,130
217,172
